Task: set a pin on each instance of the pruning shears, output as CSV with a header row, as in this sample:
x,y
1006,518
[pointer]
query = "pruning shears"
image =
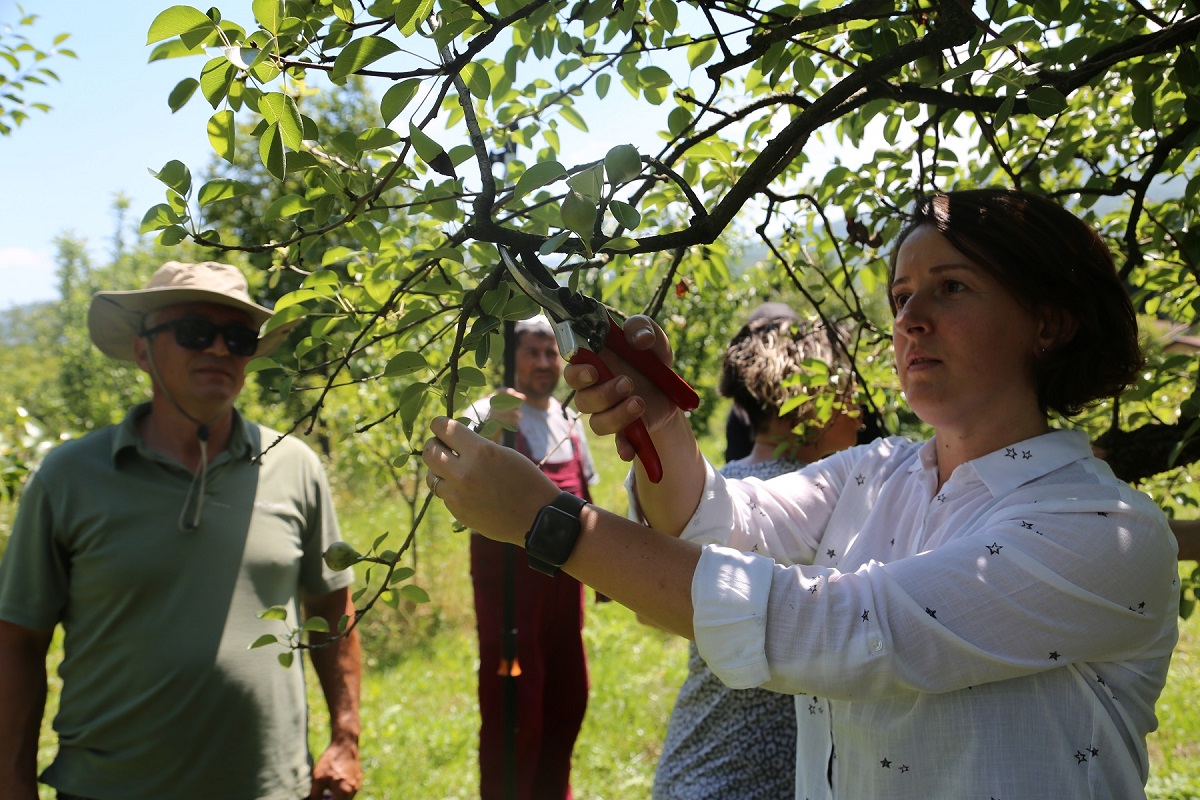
x,y
583,326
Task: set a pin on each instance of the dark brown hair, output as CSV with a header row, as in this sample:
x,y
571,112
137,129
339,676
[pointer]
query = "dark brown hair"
x,y
1047,258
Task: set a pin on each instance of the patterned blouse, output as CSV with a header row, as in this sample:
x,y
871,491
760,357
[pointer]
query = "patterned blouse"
x,y
1004,636
722,743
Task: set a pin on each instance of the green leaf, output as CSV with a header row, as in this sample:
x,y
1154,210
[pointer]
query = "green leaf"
x,y
360,53
268,14
287,206
376,139
654,78
553,243
270,150
316,625
215,78
274,612
701,52
1046,101
281,109
182,92
572,116
344,9
625,214
397,98
589,183
405,363
286,659
477,80
620,244
579,214
537,176
430,151
178,21
505,402
172,235
222,133
177,176
411,13
263,641
221,189
471,376
400,574
262,364
414,594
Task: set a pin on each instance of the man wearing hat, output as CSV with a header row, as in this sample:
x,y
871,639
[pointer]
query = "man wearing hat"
x,y
156,543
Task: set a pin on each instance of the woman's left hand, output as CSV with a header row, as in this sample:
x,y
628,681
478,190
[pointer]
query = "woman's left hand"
x,y
491,489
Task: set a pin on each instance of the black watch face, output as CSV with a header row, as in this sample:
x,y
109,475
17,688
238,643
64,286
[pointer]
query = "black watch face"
x,y
553,535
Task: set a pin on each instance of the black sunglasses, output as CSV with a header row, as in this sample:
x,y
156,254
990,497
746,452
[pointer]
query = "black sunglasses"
x,y
198,333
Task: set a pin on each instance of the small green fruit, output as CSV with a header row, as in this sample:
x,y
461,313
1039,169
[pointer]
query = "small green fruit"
x,y
340,556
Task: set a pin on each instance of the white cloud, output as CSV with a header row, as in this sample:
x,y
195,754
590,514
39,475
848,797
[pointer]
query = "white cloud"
x,y
26,276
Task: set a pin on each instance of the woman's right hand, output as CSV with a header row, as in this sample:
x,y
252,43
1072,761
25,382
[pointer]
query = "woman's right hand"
x,y
629,396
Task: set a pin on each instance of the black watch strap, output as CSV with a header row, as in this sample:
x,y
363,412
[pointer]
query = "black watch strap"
x,y
550,540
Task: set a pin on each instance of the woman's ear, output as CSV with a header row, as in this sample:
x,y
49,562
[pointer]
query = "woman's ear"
x,y
1058,327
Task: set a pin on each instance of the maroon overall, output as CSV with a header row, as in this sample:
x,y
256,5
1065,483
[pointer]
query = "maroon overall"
x,y
552,685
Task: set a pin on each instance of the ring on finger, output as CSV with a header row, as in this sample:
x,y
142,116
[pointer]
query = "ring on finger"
x,y
433,484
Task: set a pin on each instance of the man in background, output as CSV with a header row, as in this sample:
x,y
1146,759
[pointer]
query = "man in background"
x,y
155,543
550,670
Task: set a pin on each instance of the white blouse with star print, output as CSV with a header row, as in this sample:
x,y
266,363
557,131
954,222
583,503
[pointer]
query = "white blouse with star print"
x,y
1003,638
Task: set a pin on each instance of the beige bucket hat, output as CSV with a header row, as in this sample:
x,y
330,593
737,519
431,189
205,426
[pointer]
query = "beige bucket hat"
x,y
115,318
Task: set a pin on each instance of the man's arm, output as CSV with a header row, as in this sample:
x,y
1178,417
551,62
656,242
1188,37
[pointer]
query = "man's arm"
x,y
23,700
339,668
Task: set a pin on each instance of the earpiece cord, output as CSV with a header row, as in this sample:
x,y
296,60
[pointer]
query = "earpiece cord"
x,y
201,474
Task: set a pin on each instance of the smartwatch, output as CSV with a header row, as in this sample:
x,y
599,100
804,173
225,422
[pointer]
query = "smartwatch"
x,y
552,537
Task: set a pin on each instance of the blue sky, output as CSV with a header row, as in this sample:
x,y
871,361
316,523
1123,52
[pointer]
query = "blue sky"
x,y
110,124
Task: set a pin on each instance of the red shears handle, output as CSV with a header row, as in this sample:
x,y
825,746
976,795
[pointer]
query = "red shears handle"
x,y
636,432
662,376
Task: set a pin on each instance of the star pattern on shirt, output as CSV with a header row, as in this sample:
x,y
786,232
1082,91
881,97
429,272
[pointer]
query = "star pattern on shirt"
x,y
1080,757
941,498
1141,609
860,479
904,767
812,589
1054,655
831,553
1027,525
994,549
931,612
1026,455
885,764
815,708
866,615
1010,453
1102,513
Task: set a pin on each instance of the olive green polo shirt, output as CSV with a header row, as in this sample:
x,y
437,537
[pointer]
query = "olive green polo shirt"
x,y
161,697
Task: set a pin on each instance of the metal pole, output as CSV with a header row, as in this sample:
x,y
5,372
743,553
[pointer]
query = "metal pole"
x,y
509,666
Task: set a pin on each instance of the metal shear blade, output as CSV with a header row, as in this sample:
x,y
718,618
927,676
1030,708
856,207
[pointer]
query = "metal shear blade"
x,y
586,316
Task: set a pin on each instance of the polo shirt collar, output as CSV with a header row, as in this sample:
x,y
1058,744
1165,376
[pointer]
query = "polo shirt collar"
x,y
128,438
1009,467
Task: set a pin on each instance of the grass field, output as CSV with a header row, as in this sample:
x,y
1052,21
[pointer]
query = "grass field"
x,y
419,715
